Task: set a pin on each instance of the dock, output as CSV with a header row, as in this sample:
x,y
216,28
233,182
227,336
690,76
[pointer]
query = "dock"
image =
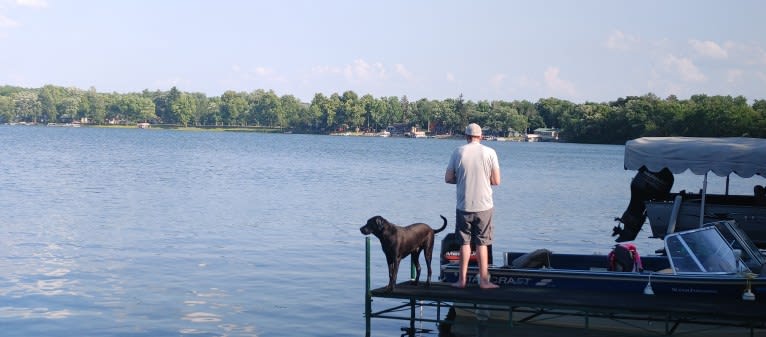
x,y
544,312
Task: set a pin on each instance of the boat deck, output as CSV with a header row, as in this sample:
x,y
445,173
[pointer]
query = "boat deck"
x,y
525,305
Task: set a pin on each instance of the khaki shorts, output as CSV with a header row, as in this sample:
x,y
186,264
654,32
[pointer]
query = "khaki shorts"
x,y
474,227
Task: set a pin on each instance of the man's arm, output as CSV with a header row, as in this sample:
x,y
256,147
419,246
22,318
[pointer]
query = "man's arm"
x,y
449,177
494,178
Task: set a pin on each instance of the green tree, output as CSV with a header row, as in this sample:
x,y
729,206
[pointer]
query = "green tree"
x,y
393,112
201,105
759,127
95,108
294,110
49,98
233,108
266,109
6,109
461,111
718,116
449,116
212,114
423,113
554,111
317,112
353,109
27,106
330,112
182,108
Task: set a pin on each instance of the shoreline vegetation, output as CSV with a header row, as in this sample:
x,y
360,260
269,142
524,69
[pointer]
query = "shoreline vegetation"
x,y
351,114
262,129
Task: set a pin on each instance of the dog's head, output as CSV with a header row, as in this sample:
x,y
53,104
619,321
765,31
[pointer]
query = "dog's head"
x,y
374,225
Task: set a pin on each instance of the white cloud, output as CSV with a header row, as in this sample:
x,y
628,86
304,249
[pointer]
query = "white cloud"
x,y
684,67
324,70
262,71
257,73
6,22
403,71
360,70
526,82
556,84
618,40
268,74
32,3
663,86
709,49
734,75
497,80
450,77
746,53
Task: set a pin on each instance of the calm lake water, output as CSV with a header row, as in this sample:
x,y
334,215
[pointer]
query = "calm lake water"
x,y
128,232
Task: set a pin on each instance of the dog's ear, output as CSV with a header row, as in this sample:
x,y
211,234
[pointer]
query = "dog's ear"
x,y
380,222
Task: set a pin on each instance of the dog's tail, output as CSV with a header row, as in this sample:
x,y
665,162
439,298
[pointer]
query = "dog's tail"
x,y
443,226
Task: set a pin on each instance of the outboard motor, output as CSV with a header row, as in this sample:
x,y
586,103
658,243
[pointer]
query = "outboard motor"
x,y
646,185
450,251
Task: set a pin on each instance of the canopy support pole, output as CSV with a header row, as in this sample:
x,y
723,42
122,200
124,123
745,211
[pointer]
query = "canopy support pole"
x,y
702,203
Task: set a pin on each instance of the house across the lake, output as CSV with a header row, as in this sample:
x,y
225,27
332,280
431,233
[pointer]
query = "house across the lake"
x,y
544,135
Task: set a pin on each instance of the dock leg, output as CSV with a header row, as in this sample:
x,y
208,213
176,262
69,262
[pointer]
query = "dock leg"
x,y
412,317
510,316
367,293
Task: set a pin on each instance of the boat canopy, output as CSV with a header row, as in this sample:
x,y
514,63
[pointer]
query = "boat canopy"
x,y
742,156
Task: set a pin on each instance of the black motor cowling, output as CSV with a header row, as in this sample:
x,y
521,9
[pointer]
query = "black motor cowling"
x,y
646,185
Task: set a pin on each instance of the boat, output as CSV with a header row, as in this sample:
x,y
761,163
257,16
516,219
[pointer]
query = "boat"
x,y
716,261
657,159
72,125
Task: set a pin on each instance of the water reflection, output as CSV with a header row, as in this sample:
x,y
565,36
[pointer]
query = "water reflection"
x,y
30,313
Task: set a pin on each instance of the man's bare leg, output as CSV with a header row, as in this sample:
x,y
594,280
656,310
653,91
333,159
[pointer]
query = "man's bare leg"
x,y
482,254
465,255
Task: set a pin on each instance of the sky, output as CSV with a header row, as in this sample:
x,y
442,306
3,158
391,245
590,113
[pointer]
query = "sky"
x,y
577,50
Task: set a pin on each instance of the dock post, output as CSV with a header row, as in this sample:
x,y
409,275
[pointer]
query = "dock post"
x,y
510,316
412,318
367,293
413,303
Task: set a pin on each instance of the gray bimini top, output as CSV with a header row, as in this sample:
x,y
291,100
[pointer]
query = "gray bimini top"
x,y
742,156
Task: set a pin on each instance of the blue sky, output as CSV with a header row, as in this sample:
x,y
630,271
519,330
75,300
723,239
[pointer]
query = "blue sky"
x,y
580,51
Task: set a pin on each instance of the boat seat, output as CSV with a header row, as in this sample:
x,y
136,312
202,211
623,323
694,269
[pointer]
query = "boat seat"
x,y
759,193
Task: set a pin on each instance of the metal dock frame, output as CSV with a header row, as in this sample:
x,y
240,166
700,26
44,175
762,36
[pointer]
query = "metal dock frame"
x,y
538,305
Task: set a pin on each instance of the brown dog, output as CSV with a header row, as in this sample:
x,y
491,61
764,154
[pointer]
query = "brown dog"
x,y
398,242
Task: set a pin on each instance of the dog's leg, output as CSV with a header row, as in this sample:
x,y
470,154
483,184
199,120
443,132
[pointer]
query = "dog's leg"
x,y
393,269
415,260
428,253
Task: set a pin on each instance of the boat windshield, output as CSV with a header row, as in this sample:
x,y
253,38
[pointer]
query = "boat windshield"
x,y
741,243
702,250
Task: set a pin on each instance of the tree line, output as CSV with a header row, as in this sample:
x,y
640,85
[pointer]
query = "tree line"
x,y
607,123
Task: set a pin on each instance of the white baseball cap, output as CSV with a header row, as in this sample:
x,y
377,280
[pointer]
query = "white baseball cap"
x,y
473,129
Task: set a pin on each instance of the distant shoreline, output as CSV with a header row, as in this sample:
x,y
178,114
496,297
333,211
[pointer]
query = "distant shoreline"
x,y
260,129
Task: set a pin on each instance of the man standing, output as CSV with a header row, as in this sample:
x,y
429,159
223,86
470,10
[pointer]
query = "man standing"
x,y
474,169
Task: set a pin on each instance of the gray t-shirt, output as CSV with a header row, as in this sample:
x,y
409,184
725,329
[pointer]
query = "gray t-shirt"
x,y
473,164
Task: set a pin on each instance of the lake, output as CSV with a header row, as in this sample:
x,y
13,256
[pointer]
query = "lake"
x,y
130,232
